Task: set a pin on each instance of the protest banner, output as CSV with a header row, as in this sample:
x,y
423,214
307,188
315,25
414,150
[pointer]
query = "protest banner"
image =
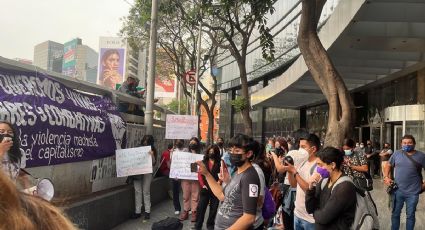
x,y
133,161
55,123
181,127
180,165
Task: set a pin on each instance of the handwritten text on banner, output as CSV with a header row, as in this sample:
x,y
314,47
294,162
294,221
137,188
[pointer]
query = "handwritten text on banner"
x,y
133,161
180,165
181,127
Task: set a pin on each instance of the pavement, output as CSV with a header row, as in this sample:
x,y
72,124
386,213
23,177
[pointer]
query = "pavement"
x,y
165,209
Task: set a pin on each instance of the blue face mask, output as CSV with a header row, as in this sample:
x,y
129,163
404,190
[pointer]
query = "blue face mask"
x,y
348,152
408,148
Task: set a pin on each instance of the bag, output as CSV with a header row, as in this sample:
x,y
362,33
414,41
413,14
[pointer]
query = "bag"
x,y
269,206
276,194
366,215
365,183
169,223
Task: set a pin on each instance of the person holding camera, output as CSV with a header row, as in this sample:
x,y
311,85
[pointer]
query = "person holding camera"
x,y
300,176
407,183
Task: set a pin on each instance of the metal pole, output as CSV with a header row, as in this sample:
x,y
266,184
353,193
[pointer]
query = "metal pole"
x,y
150,88
198,68
179,96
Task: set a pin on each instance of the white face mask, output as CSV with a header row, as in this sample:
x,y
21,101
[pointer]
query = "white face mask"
x,y
303,151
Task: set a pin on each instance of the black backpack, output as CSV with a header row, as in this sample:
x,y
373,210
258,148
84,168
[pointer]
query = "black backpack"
x,y
169,223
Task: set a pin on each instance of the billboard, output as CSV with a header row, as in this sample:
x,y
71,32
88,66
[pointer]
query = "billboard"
x,y
165,87
69,57
112,59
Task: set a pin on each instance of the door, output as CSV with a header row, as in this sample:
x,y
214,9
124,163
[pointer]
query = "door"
x,y
398,134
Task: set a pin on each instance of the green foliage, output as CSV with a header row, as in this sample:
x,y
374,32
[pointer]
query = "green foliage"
x,y
174,106
239,103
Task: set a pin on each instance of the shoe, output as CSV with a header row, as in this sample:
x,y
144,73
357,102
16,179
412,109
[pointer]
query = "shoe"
x,y
176,212
184,215
135,215
147,215
193,219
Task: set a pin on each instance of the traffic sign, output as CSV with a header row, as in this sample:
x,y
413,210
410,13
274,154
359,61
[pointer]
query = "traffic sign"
x,y
190,77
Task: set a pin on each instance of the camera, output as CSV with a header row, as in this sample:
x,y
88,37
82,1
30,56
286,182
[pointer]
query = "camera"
x,y
391,188
279,152
288,159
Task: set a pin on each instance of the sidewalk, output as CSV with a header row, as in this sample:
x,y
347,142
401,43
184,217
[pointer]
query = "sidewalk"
x,y
379,195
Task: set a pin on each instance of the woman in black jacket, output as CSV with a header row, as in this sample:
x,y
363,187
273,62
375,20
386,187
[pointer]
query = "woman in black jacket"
x,y
332,203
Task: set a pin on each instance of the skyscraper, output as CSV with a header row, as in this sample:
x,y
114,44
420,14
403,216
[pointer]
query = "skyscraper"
x,y
80,61
49,55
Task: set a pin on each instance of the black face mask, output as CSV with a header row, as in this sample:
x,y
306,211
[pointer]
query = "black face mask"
x,y
220,144
193,147
2,136
236,159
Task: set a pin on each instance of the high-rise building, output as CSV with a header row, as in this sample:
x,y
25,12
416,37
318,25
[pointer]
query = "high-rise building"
x,y
80,61
48,55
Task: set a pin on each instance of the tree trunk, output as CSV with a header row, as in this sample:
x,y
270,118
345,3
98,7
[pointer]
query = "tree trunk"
x,y
324,73
210,134
247,121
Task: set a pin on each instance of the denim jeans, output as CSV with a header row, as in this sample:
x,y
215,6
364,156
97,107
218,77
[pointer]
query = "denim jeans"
x,y
300,224
398,201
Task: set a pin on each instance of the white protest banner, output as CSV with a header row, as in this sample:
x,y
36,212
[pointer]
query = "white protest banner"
x,y
133,161
180,165
181,127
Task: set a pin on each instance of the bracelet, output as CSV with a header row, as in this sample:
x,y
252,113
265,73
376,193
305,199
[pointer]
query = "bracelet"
x,y
295,174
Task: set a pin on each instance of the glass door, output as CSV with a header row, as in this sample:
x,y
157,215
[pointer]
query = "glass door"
x,y
398,133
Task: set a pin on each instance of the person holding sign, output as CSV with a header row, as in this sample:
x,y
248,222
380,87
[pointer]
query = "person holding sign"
x,y
213,160
240,196
191,187
144,182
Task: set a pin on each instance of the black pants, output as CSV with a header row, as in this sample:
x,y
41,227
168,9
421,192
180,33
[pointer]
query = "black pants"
x,y
176,194
373,164
206,197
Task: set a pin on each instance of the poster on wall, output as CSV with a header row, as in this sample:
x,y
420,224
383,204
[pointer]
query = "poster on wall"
x,y
181,127
55,123
69,57
112,60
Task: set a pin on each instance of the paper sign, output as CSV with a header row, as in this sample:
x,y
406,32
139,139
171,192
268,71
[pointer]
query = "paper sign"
x,y
133,161
181,127
180,165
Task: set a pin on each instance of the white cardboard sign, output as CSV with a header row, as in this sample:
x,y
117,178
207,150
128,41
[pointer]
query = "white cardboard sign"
x,y
133,161
181,127
180,165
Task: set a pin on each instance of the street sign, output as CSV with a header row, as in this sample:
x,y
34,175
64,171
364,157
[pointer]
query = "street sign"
x,y
190,77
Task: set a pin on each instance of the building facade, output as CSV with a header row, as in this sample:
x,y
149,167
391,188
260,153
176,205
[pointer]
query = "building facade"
x,y
48,55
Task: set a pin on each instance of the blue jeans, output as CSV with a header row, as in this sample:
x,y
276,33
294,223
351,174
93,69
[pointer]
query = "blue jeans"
x,y
398,201
300,224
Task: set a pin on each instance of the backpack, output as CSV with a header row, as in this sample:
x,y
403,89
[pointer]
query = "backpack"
x,y
366,216
269,206
169,223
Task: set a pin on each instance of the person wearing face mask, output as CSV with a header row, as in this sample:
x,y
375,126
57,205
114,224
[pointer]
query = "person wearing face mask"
x,y
220,144
300,176
408,164
355,164
372,158
328,203
213,162
142,183
130,87
11,156
239,198
191,187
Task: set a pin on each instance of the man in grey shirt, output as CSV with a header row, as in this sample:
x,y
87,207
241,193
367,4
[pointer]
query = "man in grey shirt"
x,y
239,198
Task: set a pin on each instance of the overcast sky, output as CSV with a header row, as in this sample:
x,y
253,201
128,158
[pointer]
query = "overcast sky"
x,y
26,23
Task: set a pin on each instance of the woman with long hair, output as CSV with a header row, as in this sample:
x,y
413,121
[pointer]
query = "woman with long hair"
x,y
191,187
142,183
212,160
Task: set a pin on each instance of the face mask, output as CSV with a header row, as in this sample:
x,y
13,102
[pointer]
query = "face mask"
x,y
236,159
303,151
2,136
323,172
193,146
361,146
211,155
220,144
357,145
408,148
348,152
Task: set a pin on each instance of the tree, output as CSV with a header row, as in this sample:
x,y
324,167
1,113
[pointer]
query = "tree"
x,y
177,39
230,26
324,73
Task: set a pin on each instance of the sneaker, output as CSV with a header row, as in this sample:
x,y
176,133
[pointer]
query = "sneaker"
x,y
176,212
193,219
147,215
135,215
184,215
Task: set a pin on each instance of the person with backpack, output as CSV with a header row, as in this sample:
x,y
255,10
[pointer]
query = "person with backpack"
x,y
407,164
333,201
300,176
355,166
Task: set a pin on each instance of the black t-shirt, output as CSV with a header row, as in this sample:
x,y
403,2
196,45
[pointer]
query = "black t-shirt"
x,y
240,196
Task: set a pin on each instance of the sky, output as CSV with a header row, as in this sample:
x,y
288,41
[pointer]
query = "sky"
x,y
26,23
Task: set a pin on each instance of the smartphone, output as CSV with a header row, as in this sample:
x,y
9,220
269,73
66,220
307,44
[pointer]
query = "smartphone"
x,y
193,167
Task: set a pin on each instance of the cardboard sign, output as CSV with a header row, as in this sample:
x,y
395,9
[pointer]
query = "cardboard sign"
x,y
181,127
180,165
134,161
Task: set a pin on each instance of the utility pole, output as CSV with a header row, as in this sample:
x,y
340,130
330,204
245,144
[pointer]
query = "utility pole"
x,y
150,88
